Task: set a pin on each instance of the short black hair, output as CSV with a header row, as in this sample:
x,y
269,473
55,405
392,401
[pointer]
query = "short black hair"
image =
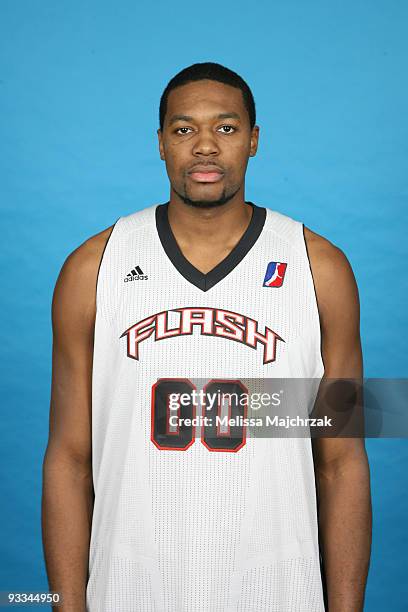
x,y
214,72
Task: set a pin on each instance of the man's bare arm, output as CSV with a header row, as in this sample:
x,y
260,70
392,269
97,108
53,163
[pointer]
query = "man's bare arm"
x,y
341,465
67,497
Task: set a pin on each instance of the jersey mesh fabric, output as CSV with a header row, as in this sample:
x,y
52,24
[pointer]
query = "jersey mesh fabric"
x,y
194,530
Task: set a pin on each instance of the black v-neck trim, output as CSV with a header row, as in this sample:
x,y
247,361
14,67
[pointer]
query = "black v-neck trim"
x,y
190,272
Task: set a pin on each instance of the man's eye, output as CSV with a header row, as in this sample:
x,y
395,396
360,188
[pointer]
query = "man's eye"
x,y
183,128
230,127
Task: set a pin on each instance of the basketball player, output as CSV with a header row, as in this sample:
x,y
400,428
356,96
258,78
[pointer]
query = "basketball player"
x,y
142,509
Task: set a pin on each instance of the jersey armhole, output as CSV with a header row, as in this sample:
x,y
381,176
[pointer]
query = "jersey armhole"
x,y
320,368
102,260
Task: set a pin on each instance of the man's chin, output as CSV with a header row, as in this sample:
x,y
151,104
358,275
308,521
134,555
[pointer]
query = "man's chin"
x,y
208,202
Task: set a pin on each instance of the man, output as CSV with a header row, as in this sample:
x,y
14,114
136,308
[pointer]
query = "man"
x,y
142,508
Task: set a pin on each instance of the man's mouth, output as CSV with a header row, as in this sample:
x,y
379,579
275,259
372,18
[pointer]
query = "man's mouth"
x,y
206,174
206,177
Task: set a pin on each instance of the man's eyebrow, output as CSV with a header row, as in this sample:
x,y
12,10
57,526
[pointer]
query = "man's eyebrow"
x,y
230,115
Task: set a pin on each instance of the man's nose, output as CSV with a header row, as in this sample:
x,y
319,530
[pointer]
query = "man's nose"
x,y
205,143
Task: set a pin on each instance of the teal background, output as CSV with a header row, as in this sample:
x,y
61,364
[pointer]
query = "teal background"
x,y
80,85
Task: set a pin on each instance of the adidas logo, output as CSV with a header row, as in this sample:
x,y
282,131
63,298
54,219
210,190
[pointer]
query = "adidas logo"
x,y
135,274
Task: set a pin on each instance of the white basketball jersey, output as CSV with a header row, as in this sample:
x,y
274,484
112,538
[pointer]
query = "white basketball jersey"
x,y
188,518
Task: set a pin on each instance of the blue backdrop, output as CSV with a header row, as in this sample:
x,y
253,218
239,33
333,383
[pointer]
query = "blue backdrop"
x,y
80,85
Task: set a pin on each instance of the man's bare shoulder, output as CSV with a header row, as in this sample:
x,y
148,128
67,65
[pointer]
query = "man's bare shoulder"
x,y
332,273
324,252
75,289
87,256
84,261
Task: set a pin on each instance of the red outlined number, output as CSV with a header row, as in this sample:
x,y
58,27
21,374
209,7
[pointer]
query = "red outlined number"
x,y
163,434
216,436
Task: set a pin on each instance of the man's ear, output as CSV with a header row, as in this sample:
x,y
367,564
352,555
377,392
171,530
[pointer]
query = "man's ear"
x,y
161,148
254,141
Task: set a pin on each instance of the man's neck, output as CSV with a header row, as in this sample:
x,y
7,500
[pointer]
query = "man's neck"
x,y
207,235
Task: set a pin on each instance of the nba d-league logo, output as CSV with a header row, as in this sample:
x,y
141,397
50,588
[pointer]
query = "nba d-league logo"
x,y
275,273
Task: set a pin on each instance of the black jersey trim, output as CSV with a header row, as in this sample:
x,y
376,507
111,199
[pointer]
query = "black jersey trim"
x,y
221,270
